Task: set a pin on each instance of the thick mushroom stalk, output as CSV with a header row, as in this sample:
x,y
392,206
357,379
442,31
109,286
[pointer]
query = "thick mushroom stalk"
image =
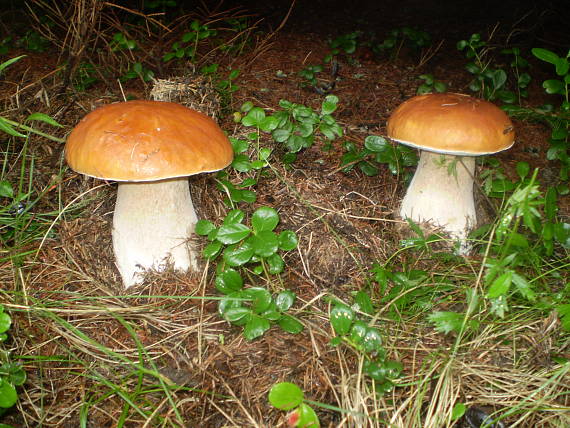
x,y
443,196
151,227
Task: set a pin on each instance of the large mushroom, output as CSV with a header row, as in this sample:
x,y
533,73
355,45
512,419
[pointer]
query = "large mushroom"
x,y
150,148
450,130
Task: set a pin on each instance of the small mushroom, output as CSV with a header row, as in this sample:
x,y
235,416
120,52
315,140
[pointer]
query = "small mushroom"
x,y
150,148
450,130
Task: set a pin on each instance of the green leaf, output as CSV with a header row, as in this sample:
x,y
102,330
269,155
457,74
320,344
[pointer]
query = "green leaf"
x,y
358,331
562,234
9,129
281,135
295,143
446,322
247,106
440,86
372,340
272,315
10,62
288,240
335,341
232,233
254,117
255,327
234,315
554,86
265,153
8,394
289,158
375,143
341,318
562,67
6,190
518,240
523,80
285,396
523,168
499,306
327,131
42,117
362,299
229,281
264,219
473,68
258,164
212,249
545,55
241,163
231,301
458,411
523,286
204,227
234,216
501,285
499,77
368,168
5,322
248,196
284,300
238,255
290,324
248,182
260,298
564,314
16,375
329,104
374,370
265,243
275,263
304,129
268,124
393,369
307,417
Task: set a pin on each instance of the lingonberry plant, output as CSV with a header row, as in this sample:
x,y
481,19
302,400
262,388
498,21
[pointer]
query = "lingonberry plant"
x,y
430,85
377,150
398,37
365,339
11,374
296,126
488,82
187,46
345,44
239,245
242,191
289,397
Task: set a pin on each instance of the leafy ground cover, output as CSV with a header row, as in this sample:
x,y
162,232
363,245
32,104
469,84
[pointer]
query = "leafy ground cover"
x,y
314,304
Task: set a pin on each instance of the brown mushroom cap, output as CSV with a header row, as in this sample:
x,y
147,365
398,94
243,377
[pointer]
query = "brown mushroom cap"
x,y
450,123
146,141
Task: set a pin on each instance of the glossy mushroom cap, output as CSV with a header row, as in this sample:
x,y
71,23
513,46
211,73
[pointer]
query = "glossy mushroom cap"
x,y
146,141
453,124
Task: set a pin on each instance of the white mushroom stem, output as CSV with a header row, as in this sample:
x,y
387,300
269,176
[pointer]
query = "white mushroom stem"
x,y
442,197
151,227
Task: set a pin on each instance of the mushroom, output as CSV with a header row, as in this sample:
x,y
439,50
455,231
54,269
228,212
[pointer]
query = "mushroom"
x,y
150,148
450,130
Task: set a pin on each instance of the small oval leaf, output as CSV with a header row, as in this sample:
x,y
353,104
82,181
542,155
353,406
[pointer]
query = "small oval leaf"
x,y
285,395
264,218
341,318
